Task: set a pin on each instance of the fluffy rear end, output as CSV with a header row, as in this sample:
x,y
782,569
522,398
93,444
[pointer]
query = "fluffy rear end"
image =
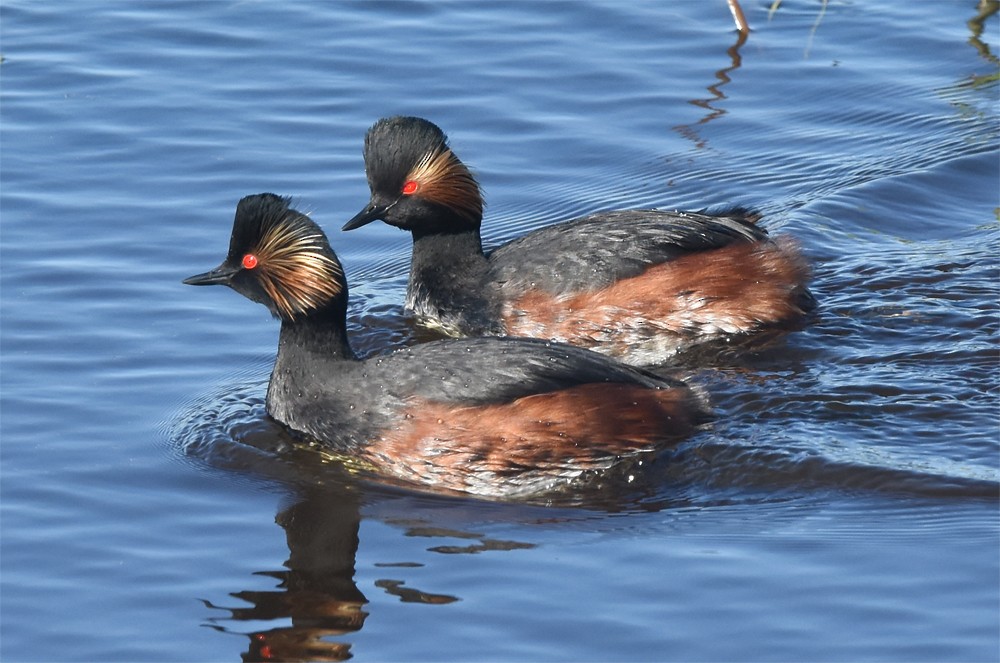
x,y
534,443
735,289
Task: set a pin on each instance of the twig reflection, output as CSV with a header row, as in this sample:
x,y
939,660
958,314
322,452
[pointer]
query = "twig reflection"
x,y
690,131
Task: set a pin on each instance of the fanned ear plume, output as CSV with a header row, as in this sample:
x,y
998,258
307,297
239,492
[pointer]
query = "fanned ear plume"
x,y
443,179
292,260
295,270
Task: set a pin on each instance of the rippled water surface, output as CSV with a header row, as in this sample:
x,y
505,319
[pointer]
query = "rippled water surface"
x,y
844,506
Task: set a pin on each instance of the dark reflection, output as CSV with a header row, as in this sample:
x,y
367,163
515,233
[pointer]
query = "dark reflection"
x,y
315,600
984,10
316,592
408,595
484,544
690,131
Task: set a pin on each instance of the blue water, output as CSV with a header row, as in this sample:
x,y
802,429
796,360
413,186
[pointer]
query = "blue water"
x,y
843,507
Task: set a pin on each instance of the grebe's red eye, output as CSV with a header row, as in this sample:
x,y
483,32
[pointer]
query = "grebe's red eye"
x,y
249,261
410,187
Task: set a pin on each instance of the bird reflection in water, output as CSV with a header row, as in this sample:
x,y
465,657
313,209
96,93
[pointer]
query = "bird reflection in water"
x,y
316,591
316,599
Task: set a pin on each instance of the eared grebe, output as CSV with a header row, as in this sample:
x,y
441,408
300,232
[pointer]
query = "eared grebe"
x,y
491,416
635,284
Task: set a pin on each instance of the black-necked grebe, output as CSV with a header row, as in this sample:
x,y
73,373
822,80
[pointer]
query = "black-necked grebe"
x,y
491,416
635,284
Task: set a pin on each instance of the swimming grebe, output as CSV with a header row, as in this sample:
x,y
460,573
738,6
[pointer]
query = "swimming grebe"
x,y
491,416
635,284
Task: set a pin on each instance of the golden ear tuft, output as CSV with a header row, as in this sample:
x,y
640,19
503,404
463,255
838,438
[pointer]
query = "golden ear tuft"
x,y
441,177
296,267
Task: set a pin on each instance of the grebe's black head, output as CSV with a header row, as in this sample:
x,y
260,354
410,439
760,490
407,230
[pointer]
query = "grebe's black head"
x,y
280,258
417,182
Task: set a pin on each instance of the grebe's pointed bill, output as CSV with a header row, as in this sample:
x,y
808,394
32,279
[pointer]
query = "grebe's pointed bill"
x,y
373,212
221,275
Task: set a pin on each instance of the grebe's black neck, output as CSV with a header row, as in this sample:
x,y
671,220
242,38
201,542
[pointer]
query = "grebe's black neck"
x,y
459,243
450,282
321,332
448,259
311,350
